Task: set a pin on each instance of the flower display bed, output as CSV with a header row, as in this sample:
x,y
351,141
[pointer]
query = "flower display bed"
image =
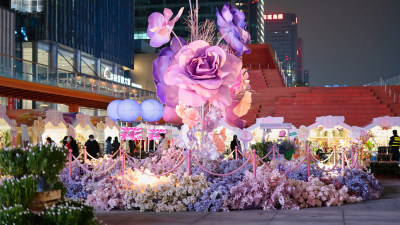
x,y
202,192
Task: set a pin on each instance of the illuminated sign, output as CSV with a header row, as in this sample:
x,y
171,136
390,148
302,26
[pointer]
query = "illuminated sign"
x,y
118,78
273,16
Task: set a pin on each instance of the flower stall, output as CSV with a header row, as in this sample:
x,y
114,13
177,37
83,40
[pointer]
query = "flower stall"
x,y
381,129
330,131
271,129
83,128
111,128
55,126
5,126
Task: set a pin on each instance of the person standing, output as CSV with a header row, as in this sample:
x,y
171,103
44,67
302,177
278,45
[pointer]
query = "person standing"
x,y
92,146
394,144
108,146
132,146
115,145
70,143
235,143
163,143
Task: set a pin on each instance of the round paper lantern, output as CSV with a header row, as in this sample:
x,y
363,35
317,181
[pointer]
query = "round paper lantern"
x,y
170,116
151,110
112,110
128,110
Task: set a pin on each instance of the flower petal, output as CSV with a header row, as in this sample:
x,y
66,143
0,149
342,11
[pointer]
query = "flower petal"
x,y
167,14
190,98
161,37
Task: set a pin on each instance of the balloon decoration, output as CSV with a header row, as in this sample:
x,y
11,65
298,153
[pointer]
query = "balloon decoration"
x,y
128,110
170,116
112,110
151,110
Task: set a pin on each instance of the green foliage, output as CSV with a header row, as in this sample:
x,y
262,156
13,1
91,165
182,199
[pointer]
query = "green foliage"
x,y
13,162
5,139
262,148
17,215
46,161
69,213
17,191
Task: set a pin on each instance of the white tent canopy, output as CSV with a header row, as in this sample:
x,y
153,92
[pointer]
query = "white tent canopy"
x,y
381,129
55,126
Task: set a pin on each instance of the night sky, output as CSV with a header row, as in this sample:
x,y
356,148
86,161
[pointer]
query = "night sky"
x,y
351,42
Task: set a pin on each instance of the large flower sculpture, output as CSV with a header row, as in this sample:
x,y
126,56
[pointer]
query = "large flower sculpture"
x,y
203,72
203,76
160,65
232,27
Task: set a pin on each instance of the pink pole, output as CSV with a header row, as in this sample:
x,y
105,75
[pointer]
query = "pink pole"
x,y
236,152
357,158
84,155
308,163
189,162
254,163
123,166
273,154
69,165
343,166
334,155
120,153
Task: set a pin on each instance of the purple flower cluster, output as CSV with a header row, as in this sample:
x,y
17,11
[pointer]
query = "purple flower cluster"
x,y
301,173
362,184
218,192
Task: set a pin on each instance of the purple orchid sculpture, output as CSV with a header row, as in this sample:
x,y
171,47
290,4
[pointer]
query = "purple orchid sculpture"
x,y
160,27
232,27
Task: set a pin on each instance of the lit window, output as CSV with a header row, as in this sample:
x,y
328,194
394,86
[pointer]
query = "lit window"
x,y
275,17
280,16
269,17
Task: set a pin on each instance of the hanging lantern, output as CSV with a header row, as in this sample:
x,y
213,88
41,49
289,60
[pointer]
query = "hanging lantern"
x,y
112,110
128,110
151,110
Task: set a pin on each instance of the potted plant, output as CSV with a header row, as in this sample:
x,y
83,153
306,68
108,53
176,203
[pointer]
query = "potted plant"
x,y
46,162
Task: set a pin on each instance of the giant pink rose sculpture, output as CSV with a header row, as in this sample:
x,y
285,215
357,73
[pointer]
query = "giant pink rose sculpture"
x,y
203,72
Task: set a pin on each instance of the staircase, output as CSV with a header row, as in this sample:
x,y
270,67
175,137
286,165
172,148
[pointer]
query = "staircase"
x,y
301,105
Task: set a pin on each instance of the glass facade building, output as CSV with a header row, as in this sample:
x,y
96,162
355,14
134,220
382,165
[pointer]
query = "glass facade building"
x,y
281,31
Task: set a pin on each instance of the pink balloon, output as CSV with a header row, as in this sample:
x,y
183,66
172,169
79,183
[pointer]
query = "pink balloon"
x,y
170,116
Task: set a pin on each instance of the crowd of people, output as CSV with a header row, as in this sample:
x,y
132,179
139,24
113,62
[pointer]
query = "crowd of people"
x,y
110,146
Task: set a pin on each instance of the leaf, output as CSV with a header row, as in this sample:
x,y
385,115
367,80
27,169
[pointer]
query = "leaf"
x,y
244,105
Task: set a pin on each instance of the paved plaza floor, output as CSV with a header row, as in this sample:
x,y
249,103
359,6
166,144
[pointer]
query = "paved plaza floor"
x,y
385,210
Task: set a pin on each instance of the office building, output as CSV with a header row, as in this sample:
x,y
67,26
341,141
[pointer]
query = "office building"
x,y
82,36
306,78
87,46
281,31
299,55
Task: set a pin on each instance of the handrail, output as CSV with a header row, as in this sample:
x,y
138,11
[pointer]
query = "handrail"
x,y
123,87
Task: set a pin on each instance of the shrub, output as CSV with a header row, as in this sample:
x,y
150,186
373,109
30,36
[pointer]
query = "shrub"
x,y
17,191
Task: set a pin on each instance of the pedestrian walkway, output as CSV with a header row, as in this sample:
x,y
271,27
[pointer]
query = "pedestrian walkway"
x,y
385,210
